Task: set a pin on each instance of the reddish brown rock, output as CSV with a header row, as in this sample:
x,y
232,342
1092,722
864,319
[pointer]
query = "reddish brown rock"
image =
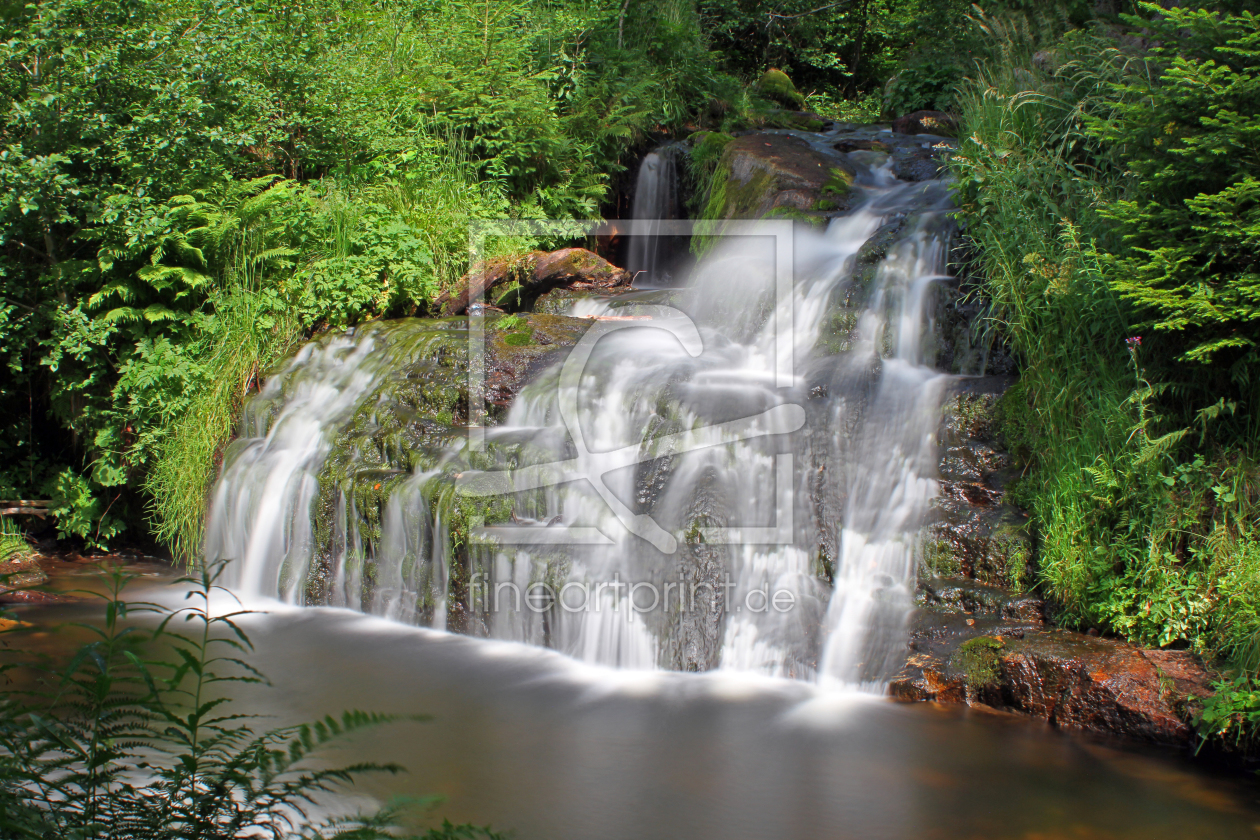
x,y
925,678
537,272
1072,680
1091,684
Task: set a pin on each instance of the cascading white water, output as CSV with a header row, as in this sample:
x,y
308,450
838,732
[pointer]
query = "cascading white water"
x,y
891,471
260,510
699,472
655,200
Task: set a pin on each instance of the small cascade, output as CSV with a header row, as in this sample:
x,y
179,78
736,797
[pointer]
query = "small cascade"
x,y
890,476
680,499
655,200
261,506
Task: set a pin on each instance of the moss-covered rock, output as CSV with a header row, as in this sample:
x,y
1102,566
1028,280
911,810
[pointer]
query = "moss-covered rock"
x,y
414,422
977,661
776,86
763,173
707,147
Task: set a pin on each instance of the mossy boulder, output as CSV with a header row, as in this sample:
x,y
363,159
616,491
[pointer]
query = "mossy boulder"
x,y
707,146
775,85
763,173
518,350
413,422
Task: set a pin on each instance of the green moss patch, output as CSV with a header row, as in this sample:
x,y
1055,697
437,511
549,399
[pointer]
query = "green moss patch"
x,y
979,661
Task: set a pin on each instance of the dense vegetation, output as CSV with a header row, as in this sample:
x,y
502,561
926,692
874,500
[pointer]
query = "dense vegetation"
x,y
192,185
1109,181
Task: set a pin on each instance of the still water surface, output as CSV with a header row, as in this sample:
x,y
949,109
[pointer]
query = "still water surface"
x,y
534,743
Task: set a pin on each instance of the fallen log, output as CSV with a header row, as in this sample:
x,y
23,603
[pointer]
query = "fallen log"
x,y
535,273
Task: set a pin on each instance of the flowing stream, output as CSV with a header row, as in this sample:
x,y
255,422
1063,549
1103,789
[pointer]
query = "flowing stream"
x,y
726,435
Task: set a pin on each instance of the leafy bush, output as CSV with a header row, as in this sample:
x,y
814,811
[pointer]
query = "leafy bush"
x,y
925,82
188,196
111,745
1232,714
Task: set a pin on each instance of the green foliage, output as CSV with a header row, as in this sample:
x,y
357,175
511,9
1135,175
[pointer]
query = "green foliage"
x,y
1140,454
192,186
111,745
79,513
1232,714
862,109
13,545
923,82
853,47
1185,131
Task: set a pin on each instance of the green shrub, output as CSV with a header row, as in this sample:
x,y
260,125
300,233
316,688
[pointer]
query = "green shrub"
x,y
306,167
1189,222
1232,714
925,82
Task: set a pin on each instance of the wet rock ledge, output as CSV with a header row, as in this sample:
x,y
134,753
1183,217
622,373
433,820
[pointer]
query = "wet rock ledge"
x,y
979,638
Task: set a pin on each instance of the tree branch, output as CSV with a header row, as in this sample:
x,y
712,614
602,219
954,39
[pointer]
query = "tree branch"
x,y
776,15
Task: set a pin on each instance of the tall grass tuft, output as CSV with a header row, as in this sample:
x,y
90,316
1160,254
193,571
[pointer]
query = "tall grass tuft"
x,y
13,544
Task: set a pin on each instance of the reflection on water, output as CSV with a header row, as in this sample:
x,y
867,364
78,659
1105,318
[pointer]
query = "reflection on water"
x,y
530,741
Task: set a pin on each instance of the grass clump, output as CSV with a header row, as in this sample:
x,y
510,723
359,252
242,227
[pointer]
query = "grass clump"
x,y
13,545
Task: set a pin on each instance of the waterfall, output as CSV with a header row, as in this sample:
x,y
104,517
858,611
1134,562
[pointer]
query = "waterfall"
x,y
655,200
694,532
890,472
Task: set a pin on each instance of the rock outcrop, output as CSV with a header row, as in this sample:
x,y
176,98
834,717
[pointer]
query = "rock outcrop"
x,y
1071,680
980,638
767,173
